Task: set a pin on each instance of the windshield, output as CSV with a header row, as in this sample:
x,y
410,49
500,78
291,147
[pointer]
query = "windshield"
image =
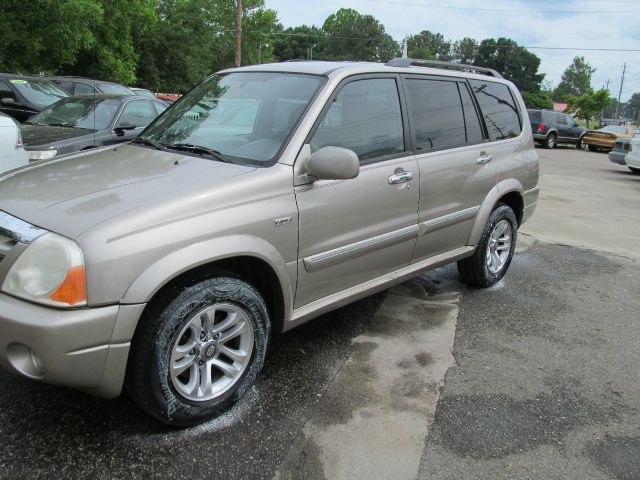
x,y
614,129
41,93
246,116
79,112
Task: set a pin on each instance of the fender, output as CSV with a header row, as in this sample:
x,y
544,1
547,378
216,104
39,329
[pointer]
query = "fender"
x,y
167,268
497,192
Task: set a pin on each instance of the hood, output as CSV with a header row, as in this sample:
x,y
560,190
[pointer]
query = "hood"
x,y
71,195
40,136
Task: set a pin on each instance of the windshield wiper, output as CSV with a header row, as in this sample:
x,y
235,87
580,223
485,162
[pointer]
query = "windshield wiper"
x,y
58,125
151,143
198,149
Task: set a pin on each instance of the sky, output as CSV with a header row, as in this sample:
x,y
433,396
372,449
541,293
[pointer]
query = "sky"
x,y
608,24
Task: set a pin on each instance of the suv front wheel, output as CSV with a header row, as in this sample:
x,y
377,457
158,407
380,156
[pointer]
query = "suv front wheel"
x,y
199,352
494,252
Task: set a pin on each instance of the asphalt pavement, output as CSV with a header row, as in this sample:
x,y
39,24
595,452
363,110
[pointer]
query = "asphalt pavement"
x,y
534,378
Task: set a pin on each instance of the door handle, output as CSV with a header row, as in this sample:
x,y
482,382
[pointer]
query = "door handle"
x,y
400,178
483,159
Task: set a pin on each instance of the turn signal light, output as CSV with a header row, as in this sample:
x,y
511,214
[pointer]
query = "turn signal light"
x,y
73,289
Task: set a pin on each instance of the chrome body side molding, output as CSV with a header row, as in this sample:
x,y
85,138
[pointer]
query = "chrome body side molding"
x,y
338,255
447,220
338,299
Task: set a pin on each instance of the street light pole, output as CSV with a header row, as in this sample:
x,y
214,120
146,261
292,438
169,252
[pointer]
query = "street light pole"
x,y
311,51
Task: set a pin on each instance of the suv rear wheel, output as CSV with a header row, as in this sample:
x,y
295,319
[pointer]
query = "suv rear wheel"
x,y
550,141
199,352
493,255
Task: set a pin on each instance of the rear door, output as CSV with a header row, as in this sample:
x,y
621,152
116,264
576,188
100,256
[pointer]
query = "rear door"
x,y
351,231
454,158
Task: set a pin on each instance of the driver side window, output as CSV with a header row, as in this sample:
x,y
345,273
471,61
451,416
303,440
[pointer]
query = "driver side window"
x,y
137,113
365,117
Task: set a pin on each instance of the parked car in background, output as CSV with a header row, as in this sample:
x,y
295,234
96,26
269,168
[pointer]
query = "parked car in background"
x,y
77,86
551,128
303,187
167,98
12,154
22,96
80,123
621,148
632,159
143,92
605,137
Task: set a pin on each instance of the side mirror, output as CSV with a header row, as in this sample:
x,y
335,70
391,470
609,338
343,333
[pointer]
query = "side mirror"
x,y
9,102
120,128
333,163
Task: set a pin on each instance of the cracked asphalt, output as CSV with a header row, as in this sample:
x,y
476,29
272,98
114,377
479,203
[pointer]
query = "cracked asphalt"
x,y
543,383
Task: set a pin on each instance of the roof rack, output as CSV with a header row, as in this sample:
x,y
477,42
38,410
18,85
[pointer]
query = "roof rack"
x,y
415,62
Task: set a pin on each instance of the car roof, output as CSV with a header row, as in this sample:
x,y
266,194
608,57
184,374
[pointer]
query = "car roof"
x,y
326,68
80,79
19,76
112,96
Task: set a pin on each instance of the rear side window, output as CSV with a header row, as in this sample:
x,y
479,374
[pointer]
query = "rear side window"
x,y
471,119
547,117
437,115
365,117
535,115
561,119
84,89
498,109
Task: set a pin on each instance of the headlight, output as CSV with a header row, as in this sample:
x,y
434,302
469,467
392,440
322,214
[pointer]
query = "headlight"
x,y
49,271
41,154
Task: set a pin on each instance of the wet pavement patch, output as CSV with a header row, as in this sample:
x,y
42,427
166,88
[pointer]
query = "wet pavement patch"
x,y
494,426
619,456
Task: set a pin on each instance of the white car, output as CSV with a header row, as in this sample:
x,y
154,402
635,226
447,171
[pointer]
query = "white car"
x,y
632,159
12,153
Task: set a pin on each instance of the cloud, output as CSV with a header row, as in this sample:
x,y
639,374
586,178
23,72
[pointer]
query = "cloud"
x,y
542,25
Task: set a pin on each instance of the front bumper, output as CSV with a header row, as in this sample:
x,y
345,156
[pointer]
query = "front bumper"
x,y
85,349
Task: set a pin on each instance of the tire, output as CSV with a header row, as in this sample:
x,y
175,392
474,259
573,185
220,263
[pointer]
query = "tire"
x,y
478,270
592,148
550,141
171,334
581,145
634,170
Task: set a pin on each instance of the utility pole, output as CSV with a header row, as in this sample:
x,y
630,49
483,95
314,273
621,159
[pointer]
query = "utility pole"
x,y
238,59
405,47
624,69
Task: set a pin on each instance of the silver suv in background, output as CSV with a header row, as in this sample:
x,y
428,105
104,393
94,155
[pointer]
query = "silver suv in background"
x,y
265,197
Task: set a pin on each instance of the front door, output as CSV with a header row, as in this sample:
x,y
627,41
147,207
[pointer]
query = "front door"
x,y
355,230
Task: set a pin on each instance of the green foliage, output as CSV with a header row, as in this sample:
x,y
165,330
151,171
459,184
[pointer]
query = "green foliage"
x,y
589,106
538,100
514,62
576,80
465,51
46,36
295,43
348,35
429,46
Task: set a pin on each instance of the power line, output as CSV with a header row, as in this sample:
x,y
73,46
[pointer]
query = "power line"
x,y
504,10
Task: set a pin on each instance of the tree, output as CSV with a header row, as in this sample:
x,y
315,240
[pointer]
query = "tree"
x,y
537,100
348,35
465,51
429,46
45,36
576,80
590,105
295,43
514,62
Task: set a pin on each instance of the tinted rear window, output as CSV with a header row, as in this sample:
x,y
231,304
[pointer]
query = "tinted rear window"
x,y
535,115
498,109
